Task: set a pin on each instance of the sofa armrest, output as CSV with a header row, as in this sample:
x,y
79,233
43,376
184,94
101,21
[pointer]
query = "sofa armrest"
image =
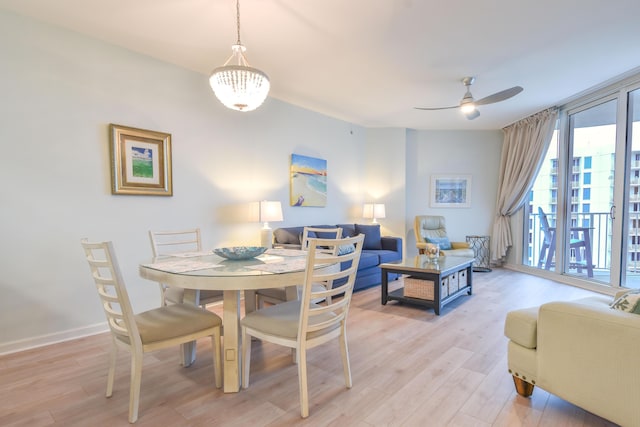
x,y
588,354
460,245
390,243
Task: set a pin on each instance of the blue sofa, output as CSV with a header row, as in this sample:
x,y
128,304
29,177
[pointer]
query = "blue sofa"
x,y
376,249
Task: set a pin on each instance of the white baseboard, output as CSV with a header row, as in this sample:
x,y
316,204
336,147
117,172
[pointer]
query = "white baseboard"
x,y
44,340
58,337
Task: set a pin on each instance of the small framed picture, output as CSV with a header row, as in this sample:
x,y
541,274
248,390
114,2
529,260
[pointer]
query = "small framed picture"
x,y
450,191
140,161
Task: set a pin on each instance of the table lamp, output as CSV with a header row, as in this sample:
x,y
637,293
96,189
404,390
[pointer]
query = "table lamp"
x,y
373,211
269,211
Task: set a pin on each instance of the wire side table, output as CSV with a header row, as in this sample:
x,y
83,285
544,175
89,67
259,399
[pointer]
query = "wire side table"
x,y
482,250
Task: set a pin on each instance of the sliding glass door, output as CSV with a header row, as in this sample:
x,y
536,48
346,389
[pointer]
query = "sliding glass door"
x,y
583,216
630,274
587,230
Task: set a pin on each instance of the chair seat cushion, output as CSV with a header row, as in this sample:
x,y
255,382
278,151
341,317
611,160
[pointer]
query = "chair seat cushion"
x,y
174,321
281,319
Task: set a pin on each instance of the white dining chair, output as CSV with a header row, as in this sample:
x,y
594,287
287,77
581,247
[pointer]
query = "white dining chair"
x,y
174,242
303,324
279,295
147,331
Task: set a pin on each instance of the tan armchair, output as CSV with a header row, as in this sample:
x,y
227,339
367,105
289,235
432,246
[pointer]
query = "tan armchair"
x,y
434,227
582,351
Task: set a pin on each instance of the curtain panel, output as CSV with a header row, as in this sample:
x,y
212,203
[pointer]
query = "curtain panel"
x,y
525,145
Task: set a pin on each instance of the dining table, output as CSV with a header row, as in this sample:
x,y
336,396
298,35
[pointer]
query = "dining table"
x,y
195,271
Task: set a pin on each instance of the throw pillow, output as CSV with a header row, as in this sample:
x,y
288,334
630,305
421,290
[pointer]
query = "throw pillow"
x,y
629,302
345,249
443,242
372,239
288,235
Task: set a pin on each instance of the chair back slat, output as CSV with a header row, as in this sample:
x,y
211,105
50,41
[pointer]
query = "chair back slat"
x,y
111,290
324,265
172,242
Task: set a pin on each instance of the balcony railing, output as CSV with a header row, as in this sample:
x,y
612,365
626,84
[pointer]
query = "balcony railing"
x,y
600,236
599,225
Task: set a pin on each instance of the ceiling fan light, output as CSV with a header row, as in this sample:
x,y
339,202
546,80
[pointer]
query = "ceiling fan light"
x,y
472,115
467,107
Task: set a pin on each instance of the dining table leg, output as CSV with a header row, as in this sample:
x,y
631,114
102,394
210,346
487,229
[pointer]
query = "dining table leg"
x,y
231,340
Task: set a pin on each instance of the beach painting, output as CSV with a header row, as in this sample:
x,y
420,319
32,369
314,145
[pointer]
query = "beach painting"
x,y
308,181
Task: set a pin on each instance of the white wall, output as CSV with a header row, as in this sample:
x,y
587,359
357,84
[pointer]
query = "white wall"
x,y
474,153
61,90
385,176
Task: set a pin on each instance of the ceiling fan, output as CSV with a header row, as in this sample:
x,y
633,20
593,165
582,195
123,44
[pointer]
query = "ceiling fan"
x,y
468,104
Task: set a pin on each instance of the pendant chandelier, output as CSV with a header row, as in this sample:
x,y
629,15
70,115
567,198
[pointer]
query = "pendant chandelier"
x,y
236,84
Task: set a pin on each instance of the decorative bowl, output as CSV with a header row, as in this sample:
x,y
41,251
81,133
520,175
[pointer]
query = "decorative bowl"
x,y
240,252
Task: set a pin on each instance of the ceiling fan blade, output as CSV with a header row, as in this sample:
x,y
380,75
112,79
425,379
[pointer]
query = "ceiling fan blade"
x,y
500,96
436,108
472,115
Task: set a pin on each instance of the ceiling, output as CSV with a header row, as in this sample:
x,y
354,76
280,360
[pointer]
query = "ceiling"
x,y
370,62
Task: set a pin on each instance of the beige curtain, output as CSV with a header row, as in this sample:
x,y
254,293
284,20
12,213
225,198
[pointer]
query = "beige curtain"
x,y
525,145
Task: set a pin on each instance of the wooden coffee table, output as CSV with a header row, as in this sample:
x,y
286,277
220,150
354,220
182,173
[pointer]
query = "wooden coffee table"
x,y
446,279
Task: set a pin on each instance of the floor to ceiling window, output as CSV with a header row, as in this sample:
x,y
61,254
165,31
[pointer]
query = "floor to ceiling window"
x,y
583,216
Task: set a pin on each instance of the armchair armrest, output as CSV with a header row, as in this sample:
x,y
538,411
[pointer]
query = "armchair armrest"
x,y
460,245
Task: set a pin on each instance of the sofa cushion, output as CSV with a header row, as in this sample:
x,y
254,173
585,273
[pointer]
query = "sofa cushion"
x,y
348,230
442,242
368,259
388,256
628,302
371,235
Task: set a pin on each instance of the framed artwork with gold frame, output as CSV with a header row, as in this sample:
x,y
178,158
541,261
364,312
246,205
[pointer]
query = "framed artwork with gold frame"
x,y
140,161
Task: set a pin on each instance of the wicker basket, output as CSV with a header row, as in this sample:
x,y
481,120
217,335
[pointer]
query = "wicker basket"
x,y
453,283
418,288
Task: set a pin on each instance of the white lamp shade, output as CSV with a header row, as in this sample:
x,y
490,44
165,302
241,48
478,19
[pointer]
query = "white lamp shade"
x,y
270,211
373,211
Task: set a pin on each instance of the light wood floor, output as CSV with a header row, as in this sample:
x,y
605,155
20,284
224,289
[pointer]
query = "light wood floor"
x,y
410,368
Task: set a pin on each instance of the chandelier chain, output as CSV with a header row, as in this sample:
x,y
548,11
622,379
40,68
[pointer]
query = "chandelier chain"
x,y
238,21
